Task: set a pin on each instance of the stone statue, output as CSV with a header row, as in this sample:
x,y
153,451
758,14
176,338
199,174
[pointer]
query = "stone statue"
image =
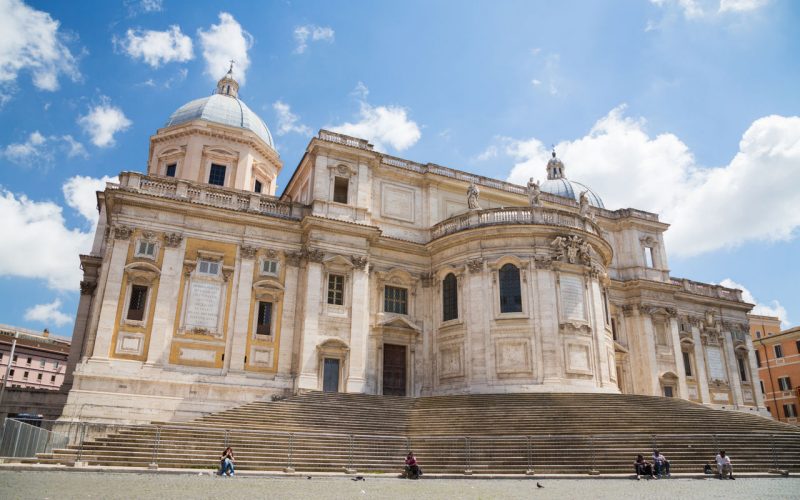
x,y
534,193
584,202
472,197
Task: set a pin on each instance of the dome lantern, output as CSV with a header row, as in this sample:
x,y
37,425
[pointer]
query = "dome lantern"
x,y
555,168
558,184
227,85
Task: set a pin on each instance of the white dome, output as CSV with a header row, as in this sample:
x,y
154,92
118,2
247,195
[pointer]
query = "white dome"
x,y
223,109
570,189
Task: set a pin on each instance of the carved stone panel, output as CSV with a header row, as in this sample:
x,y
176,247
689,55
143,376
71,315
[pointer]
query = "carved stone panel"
x,y
512,356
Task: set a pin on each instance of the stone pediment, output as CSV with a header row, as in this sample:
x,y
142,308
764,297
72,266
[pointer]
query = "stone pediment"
x,y
399,322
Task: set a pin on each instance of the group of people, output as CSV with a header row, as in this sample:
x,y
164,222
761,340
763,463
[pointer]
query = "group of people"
x,y
660,466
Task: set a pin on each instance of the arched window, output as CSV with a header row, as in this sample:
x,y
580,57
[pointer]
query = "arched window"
x,y
449,297
510,293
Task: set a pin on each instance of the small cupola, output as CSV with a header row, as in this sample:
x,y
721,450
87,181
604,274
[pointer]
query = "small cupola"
x,y
555,168
227,85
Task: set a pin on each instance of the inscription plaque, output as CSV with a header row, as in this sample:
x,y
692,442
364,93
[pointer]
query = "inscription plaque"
x,y
203,308
572,297
715,368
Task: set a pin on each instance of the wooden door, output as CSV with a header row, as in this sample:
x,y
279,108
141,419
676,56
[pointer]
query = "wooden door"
x,y
394,370
330,375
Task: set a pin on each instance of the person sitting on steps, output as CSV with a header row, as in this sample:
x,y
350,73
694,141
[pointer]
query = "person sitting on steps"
x,y
226,462
642,467
724,465
661,464
412,469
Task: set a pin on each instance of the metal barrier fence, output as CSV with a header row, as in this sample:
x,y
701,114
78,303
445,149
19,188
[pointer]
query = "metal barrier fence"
x,y
199,446
22,439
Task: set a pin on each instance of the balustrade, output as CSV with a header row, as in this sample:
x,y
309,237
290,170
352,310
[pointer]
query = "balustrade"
x,y
512,215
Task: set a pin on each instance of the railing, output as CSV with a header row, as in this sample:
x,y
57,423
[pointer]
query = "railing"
x,y
355,142
708,290
196,446
22,439
513,215
203,194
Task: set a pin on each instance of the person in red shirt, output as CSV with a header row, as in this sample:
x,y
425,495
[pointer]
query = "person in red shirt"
x,y
412,468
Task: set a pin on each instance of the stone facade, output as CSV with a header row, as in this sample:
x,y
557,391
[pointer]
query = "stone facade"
x,y
378,275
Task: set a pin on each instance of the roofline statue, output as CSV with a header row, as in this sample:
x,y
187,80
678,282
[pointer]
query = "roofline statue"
x,y
472,197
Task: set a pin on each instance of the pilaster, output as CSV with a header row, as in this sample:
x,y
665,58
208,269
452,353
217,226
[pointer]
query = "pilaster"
x,y
168,289
359,330
674,329
241,318
733,369
113,288
700,366
309,364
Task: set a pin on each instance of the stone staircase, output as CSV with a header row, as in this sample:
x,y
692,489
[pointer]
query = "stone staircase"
x,y
497,434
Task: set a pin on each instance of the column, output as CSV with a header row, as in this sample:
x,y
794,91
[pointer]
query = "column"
x,y
167,301
733,369
113,289
286,341
241,317
674,328
428,305
359,327
475,351
79,332
309,364
751,361
700,366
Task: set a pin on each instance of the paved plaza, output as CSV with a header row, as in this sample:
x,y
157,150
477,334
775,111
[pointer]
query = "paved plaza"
x,y
97,485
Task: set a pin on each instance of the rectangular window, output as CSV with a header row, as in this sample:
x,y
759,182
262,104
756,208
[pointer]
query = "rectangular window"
x,y
790,410
336,289
742,368
785,384
761,383
606,314
29,361
41,363
56,365
687,364
778,351
758,334
136,305
264,326
758,359
208,267
39,377
217,175
146,249
797,344
648,257
340,186
269,267
25,375
11,373
614,328
257,187
52,378
395,300
171,169
15,358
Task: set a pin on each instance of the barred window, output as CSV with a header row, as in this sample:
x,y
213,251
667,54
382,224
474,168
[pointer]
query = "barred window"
x,y
264,318
336,289
395,300
217,175
137,303
510,292
449,297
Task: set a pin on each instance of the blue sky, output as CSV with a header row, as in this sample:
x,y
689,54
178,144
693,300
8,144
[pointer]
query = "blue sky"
x,y
686,108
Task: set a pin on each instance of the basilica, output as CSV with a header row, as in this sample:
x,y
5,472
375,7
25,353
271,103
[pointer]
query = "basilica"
x,y
206,289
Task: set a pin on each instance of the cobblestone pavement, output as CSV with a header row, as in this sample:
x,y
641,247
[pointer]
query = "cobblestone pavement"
x,y
97,485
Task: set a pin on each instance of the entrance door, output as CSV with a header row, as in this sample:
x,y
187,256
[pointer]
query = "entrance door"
x,y
330,375
394,370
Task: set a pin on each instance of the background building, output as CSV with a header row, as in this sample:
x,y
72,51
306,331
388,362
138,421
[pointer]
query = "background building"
x,y
778,359
36,372
375,274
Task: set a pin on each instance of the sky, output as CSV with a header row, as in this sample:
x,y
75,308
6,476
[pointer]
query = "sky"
x,y
686,108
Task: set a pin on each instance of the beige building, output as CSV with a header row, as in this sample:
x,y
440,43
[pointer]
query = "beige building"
x,y
378,275
39,360
778,361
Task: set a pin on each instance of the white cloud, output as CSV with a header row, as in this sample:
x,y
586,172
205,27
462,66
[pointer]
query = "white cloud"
x,y
698,9
48,313
80,194
136,7
102,122
289,122
549,73
37,244
752,198
312,32
487,154
773,309
741,5
536,82
31,41
156,47
381,125
224,42
40,151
